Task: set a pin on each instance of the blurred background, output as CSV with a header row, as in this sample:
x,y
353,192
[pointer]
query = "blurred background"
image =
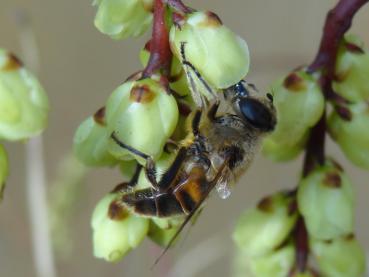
x,y
80,67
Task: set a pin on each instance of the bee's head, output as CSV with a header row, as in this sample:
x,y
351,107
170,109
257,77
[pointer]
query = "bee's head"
x,y
252,107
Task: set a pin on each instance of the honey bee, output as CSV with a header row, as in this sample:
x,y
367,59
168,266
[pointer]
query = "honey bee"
x,y
217,150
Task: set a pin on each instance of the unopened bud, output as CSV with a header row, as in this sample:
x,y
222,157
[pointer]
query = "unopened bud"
x,y
120,19
217,53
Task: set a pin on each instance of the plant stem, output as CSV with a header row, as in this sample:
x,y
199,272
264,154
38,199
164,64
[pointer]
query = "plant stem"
x,y
43,255
337,22
160,54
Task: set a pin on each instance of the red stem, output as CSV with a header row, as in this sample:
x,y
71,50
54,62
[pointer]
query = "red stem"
x,y
338,21
160,54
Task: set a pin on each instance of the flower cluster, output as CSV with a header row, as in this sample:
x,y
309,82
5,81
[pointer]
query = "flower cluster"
x,y
309,231
23,106
148,113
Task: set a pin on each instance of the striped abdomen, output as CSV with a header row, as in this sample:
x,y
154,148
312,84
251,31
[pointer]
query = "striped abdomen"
x,y
180,199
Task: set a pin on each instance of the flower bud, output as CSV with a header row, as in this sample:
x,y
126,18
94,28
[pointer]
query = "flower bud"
x,y
342,257
91,141
4,170
299,102
127,169
143,116
352,135
280,152
162,235
265,227
325,199
218,54
352,70
23,103
277,263
115,231
120,19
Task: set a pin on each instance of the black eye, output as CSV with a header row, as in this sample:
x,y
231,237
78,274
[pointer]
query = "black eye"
x,y
257,114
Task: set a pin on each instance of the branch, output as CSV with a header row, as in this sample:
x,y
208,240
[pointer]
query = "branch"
x,y
160,54
337,22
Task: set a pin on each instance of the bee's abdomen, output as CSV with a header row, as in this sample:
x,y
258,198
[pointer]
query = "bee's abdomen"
x,y
161,205
192,191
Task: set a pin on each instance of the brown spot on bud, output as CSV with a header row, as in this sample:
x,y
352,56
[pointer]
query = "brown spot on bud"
x,y
292,208
353,48
350,237
212,20
117,211
344,113
294,82
141,94
328,241
148,5
341,76
266,204
332,180
99,116
13,63
148,46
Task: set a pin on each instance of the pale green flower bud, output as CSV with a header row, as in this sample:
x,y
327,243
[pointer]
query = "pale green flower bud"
x,y
352,135
280,152
325,199
162,235
339,258
120,19
352,70
127,169
277,263
299,102
91,141
218,54
115,231
23,103
143,116
265,227
4,169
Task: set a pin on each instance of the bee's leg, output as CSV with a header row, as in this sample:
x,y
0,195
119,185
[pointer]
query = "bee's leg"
x,y
199,99
213,110
170,175
195,124
148,203
128,186
150,168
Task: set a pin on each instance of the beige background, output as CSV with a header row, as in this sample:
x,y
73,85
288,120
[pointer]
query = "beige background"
x,y
80,67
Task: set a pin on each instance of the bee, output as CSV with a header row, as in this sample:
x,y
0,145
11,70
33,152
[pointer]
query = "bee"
x,y
216,152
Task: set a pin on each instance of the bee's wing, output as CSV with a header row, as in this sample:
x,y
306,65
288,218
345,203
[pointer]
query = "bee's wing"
x,y
195,210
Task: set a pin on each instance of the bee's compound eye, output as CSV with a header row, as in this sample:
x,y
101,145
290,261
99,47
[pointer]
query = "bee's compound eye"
x,y
257,114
